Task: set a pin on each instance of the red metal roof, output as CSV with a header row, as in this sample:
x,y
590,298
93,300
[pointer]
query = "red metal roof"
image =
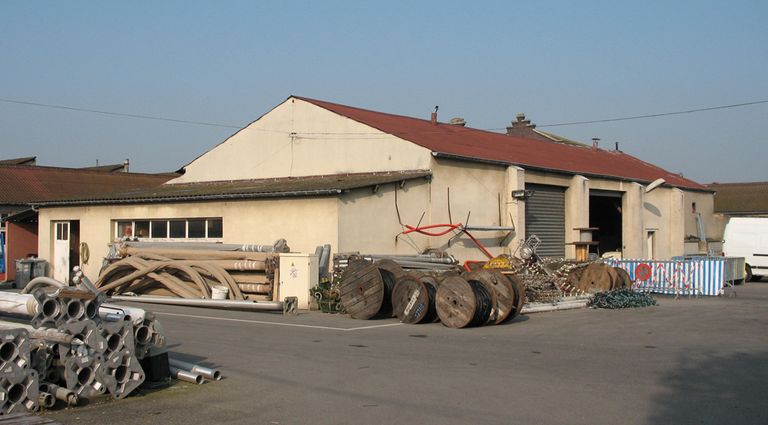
x,y
20,185
474,144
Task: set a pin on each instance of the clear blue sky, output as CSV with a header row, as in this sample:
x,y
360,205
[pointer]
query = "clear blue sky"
x,y
229,62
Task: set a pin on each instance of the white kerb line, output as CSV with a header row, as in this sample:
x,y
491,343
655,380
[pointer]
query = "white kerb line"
x,y
295,325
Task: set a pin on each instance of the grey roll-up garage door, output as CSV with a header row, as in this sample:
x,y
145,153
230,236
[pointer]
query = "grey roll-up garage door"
x,y
545,218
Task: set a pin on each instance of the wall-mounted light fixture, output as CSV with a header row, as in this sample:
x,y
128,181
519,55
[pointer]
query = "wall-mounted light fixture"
x,y
522,194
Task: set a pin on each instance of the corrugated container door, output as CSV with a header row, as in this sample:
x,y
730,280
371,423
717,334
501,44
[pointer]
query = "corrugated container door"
x,y
545,218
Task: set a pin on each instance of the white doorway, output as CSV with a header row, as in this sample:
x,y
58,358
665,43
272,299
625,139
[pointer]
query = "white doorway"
x,y
650,244
61,251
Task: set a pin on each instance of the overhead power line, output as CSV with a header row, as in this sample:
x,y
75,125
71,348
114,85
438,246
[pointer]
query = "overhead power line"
x,y
211,124
118,114
662,114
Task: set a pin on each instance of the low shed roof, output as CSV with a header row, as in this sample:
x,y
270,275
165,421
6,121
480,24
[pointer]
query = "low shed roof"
x,y
22,185
247,189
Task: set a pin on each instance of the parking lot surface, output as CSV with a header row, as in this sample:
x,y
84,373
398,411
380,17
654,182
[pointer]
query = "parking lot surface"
x,y
686,361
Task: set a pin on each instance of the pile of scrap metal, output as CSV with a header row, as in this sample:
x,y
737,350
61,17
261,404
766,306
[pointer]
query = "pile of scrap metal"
x,y
458,299
64,343
550,280
226,273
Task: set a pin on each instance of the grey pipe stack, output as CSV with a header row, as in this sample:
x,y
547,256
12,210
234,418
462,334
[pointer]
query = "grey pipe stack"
x,y
208,373
233,304
186,375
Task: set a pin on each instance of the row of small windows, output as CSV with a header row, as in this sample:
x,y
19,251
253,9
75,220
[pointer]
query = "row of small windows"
x,y
177,228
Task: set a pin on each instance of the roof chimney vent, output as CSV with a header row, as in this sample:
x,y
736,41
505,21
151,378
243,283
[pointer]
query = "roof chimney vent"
x,y
595,142
461,122
521,127
434,115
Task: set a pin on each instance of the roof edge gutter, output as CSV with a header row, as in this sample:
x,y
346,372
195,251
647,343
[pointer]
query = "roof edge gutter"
x,y
325,192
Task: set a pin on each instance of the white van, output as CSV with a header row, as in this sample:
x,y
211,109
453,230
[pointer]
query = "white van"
x,y
748,237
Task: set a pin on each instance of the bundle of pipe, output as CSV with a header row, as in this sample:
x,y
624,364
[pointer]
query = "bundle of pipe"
x,y
19,382
190,372
73,352
185,270
280,245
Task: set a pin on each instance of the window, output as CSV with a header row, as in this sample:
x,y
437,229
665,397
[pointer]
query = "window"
x,y
158,229
178,228
215,229
169,229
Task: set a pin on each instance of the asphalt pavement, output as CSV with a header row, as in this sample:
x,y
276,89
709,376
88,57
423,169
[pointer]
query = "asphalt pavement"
x,y
685,361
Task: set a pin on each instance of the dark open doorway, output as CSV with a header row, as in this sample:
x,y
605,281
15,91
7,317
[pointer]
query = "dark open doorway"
x,y
605,214
74,245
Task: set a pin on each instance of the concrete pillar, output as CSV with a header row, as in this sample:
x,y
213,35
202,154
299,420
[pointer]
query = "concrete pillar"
x,y
632,228
514,209
576,212
676,222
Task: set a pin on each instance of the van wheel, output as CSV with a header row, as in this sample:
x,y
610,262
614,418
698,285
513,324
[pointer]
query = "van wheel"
x,y
747,273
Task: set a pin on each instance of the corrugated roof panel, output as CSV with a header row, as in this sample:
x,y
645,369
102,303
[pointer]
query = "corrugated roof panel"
x,y
21,185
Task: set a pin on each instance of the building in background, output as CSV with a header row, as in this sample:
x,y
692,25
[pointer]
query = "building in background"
x,y
23,183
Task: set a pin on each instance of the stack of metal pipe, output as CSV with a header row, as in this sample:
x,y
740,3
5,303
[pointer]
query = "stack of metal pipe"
x,y
192,270
432,262
19,382
70,346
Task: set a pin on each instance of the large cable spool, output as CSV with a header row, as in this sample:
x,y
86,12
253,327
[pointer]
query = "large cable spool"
x,y
361,289
461,303
596,278
391,273
502,293
413,299
624,281
519,288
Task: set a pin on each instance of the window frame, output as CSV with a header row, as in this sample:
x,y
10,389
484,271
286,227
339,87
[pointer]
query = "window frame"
x,y
117,223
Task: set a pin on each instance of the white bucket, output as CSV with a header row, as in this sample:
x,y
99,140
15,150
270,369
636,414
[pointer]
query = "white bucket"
x,y
219,292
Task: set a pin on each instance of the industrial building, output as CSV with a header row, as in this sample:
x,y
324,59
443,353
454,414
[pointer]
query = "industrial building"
x,y
315,172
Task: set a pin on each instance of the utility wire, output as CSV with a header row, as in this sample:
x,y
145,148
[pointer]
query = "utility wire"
x,y
663,114
210,124
118,114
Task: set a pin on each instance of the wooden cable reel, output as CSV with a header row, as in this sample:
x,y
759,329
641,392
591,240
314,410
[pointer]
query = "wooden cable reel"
x,y
413,299
461,303
503,293
596,278
391,274
361,289
519,288
624,280
366,288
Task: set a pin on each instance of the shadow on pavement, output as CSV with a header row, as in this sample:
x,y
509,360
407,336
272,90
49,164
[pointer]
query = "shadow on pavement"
x,y
729,389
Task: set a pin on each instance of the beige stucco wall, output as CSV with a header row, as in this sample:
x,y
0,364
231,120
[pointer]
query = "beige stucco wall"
x,y
369,221
304,222
665,210
298,138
